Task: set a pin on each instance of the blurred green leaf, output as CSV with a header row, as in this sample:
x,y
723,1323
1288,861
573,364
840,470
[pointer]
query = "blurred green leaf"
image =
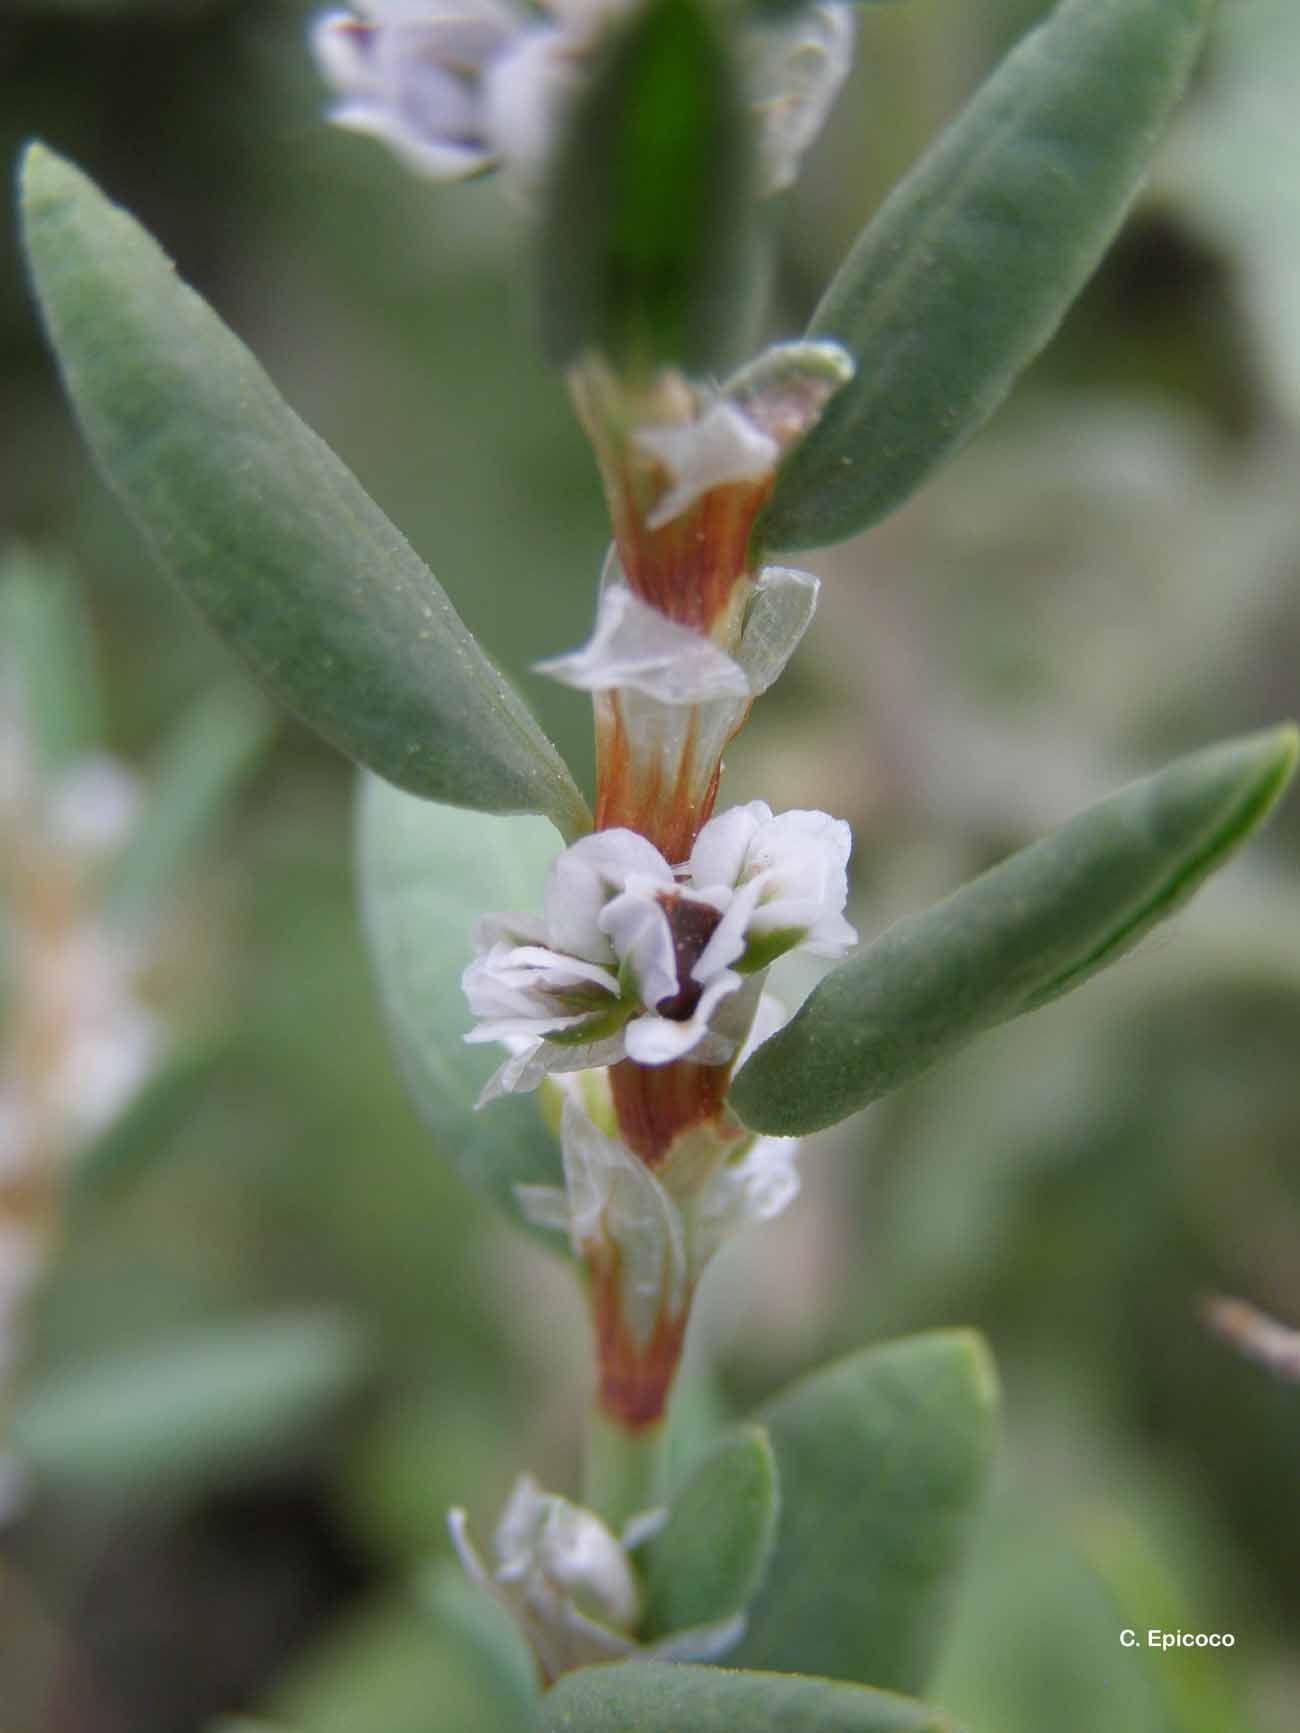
x,y
215,745
882,1459
120,1155
181,1413
1197,1687
1032,928
488,1640
387,1669
968,268
709,1559
267,532
645,239
662,1697
45,637
427,873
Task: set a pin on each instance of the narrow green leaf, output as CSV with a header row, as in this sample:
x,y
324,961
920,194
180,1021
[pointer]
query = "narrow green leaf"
x,y
970,265
1027,931
645,238
661,1697
883,1459
202,1406
45,648
214,746
709,1559
427,873
266,531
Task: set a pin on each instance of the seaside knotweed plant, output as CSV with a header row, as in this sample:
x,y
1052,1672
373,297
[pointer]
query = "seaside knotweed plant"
x,y
579,993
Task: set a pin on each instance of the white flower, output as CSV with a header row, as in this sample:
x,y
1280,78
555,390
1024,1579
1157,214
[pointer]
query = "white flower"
x,y
415,75
569,1582
455,87
632,959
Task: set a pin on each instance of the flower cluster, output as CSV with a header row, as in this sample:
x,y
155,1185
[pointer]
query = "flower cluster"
x,y
457,87
635,959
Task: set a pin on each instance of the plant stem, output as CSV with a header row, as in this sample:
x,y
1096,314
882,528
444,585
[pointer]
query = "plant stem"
x,y
622,1468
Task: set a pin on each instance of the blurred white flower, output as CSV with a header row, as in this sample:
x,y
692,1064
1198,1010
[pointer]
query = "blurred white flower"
x,y
633,959
568,1581
456,87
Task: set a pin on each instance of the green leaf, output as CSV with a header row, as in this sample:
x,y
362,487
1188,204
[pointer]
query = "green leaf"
x,y
215,745
709,1559
663,1697
267,532
882,1459
1029,930
199,1407
968,268
427,873
645,239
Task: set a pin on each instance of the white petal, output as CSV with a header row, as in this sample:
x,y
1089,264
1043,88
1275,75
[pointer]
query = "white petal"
x,y
635,647
638,928
729,938
579,1554
799,69
722,446
652,1040
584,878
471,1563
721,847
780,612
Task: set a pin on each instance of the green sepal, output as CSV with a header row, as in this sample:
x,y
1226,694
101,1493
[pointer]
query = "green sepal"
x,y
427,872
270,536
968,268
706,1564
645,240
664,1697
1025,932
883,1459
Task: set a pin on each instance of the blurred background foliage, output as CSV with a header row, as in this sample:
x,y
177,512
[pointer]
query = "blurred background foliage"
x,y
279,1338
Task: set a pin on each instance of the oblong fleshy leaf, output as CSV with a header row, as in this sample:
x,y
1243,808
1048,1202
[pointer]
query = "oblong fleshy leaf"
x,y
707,1562
645,235
883,1459
966,271
427,873
1025,932
666,1697
265,530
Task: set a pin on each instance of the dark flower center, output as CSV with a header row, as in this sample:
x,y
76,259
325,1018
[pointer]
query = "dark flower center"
x,y
692,925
